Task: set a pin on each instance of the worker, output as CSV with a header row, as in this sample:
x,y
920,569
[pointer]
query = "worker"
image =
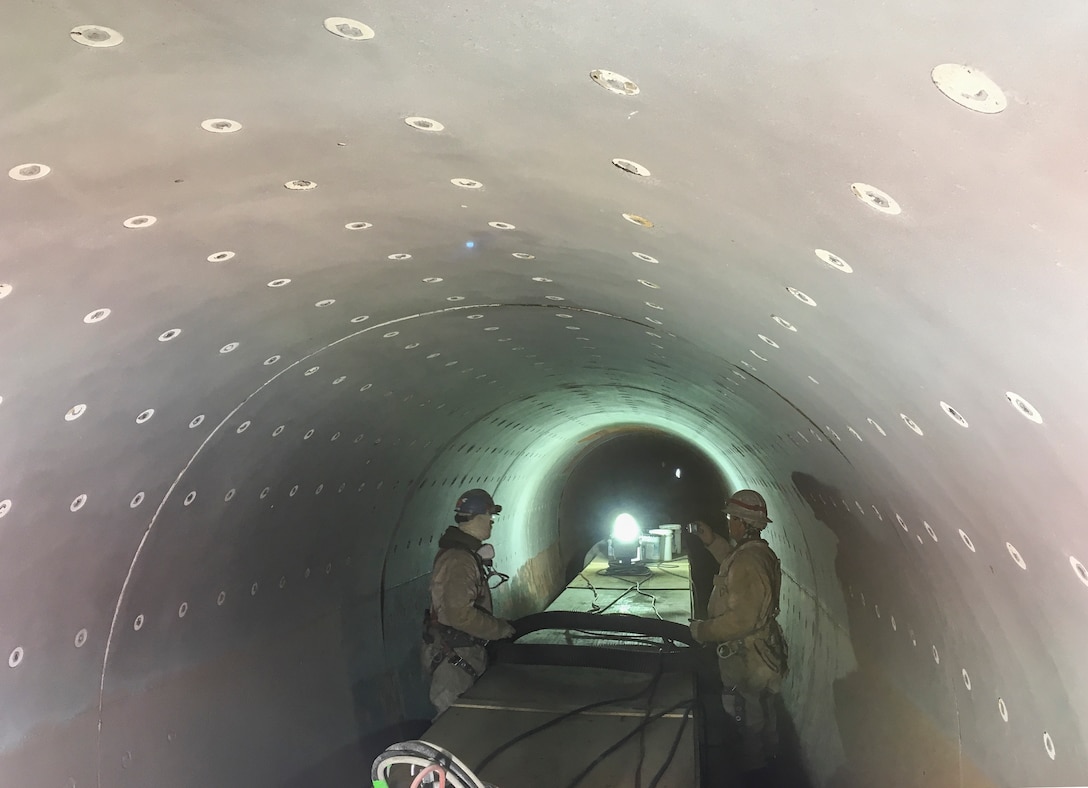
x,y
460,622
741,620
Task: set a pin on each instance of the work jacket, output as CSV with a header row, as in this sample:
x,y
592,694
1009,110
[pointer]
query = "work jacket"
x,y
460,596
744,601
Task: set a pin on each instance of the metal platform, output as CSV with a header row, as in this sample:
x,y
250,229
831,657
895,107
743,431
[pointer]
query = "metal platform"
x,y
511,699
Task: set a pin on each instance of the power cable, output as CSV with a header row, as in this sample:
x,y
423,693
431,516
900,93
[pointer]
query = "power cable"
x,y
567,715
642,736
582,774
672,750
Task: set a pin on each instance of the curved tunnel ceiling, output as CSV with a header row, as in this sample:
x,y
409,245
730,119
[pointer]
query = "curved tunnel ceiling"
x,y
273,289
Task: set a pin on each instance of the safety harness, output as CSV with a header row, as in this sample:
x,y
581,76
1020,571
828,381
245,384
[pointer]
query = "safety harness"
x,y
446,638
769,621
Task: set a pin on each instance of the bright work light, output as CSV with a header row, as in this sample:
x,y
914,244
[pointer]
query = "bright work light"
x,y
625,529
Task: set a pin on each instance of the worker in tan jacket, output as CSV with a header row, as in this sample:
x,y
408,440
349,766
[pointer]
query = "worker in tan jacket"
x,y
741,620
460,622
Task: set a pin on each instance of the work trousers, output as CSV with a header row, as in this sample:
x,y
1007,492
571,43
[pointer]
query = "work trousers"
x,y
449,681
757,687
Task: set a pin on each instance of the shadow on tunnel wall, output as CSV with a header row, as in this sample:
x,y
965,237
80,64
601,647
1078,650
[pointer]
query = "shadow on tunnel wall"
x,y
894,722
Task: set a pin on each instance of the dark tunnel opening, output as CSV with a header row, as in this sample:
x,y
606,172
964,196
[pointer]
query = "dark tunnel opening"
x,y
655,477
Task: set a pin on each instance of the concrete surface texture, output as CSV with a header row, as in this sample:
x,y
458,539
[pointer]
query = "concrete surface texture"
x,y
275,287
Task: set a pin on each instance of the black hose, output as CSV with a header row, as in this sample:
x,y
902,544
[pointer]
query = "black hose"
x,y
582,774
672,750
565,716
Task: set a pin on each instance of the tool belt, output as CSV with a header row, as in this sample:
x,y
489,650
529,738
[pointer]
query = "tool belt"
x,y
446,639
766,641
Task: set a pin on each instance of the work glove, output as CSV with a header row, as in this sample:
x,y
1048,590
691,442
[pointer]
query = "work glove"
x,y
508,631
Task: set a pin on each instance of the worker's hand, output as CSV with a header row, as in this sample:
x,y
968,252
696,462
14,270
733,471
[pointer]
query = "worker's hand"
x,y
508,631
706,536
694,626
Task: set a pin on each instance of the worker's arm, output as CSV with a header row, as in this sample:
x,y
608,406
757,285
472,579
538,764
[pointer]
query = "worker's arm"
x,y
718,546
748,592
455,587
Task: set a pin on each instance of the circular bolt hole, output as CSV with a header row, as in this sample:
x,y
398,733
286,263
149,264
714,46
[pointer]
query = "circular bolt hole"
x,y
196,422
632,167
768,340
137,500
875,198
1002,709
930,531
966,679
145,416
953,414
96,36
221,125
936,656
641,221
220,257
1048,743
166,336
802,297
219,600
325,302
300,185
784,323
138,622
1078,567
358,226
834,261
97,316
911,423
967,541
501,225
1019,559
466,183
139,222
969,88
271,360
243,427
81,638
29,172
230,495
616,83
279,282
190,498
253,589
78,503
1023,407
230,347
348,28
16,657
523,256
424,124
400,256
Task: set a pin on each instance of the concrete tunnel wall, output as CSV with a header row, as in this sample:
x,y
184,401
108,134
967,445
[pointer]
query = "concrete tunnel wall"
x,y
235,414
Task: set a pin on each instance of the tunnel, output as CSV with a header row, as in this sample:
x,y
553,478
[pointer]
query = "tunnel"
x,y
279,281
